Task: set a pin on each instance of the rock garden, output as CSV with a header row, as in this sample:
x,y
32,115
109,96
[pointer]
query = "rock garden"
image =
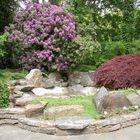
x,y
69,67
53,106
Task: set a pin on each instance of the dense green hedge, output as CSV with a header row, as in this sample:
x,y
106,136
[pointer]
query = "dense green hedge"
x,y
108,50
5,76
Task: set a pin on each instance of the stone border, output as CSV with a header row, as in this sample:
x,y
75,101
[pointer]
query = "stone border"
x,y
14,116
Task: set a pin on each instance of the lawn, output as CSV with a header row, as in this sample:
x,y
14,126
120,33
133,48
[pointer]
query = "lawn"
x,y
86,101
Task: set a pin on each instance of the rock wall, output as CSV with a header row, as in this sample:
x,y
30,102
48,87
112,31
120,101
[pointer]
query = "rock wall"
x,y
67,125
23,91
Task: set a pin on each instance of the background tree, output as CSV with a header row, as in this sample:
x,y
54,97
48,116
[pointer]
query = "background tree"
x,y
7,8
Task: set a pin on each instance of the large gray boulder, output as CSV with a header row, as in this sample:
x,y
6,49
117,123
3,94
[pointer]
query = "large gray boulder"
x,y
53,80
83,78
24,100
57,91
18,94
98,98
81,90
25,88
21,82
114,101
73,123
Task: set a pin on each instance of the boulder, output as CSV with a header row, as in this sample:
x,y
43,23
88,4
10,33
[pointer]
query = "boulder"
x,y
24,100
88,91
99,96
73,123
18,94
114,101
25,88
86,79
33,110
83,78
74,78
80,90
54,112
21,82
53,80
57,91
35,78
55,76
48,83
134,99
51,83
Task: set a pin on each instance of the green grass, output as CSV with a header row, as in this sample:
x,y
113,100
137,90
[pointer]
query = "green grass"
x,y
126,91
86,101
11,74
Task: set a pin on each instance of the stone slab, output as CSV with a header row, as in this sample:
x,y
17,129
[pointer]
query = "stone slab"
x,y
75,122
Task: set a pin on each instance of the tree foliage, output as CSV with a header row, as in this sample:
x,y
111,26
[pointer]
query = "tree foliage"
x,y
114,19
7,8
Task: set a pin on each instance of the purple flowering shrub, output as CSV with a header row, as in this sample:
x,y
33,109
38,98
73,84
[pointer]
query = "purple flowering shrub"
x,y
44,33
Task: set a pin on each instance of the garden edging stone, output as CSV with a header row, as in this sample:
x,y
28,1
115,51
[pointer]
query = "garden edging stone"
x,y
14,116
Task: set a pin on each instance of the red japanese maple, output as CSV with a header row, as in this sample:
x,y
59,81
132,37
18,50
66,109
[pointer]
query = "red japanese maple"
x,y
120,72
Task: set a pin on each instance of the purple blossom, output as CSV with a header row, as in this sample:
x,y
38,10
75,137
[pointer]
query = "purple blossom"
x,y
43,30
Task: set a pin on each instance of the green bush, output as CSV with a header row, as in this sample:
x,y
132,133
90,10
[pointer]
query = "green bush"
x,y
108,51
4,95
5,51
88,48
97,53
3,39
133,47
88,45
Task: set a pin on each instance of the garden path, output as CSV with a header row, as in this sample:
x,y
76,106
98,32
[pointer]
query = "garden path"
x,y
14,133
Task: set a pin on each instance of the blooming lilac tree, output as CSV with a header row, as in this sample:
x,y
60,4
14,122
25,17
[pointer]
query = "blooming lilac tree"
x,y
43,33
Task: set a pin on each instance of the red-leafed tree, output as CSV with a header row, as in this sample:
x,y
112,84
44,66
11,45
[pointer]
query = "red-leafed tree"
x,y
120,72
